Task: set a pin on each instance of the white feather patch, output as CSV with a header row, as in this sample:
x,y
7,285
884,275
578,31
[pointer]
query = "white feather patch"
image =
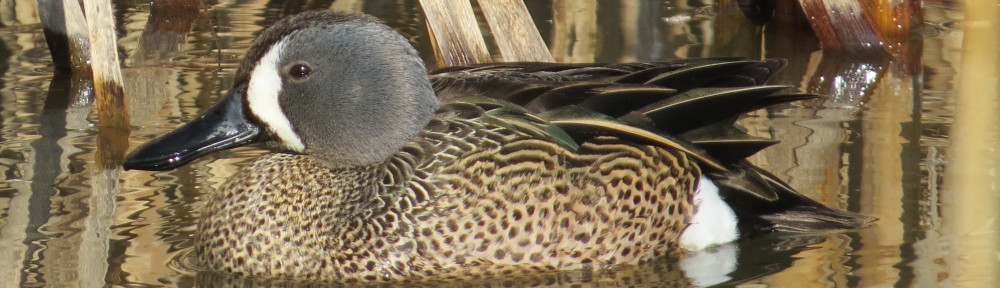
x,y
262,96
714,222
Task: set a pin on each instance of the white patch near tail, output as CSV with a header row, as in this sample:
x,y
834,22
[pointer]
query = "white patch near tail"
x,y
714,222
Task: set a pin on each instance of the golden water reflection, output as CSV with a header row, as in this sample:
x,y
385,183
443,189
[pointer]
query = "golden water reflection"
x,y
879,145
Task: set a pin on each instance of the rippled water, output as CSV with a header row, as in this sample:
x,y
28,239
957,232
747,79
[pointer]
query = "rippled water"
x,y
878,146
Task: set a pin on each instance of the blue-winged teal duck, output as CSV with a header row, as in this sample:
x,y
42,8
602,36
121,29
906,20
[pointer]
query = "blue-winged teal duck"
x,y
385,172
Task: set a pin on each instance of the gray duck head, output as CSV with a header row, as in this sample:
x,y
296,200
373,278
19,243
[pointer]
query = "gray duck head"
x,y
341,87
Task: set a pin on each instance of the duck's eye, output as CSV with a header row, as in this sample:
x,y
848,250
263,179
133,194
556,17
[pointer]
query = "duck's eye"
x,y
299,71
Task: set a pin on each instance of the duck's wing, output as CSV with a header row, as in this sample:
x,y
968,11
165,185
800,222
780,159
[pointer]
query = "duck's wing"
x,y
686,105
524,82
697,100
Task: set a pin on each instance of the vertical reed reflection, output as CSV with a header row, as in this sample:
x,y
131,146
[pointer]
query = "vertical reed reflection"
x,y
941,55
734,34
66,97
972,203
889,137
38,131
112,142
574,30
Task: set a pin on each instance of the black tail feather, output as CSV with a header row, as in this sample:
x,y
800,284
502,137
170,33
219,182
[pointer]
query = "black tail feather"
x,y
763,203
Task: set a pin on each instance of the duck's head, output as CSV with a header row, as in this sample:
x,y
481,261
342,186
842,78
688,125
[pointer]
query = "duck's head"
x,y
341,87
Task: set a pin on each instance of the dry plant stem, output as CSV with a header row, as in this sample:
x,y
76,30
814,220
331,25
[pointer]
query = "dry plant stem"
x,y
66,35
455,33
897,24
863,25
840,24
895,21
514,32
112,141
111,110
78,36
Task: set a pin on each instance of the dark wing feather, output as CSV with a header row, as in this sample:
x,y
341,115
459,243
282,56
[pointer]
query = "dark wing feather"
x,y
698,108
705,106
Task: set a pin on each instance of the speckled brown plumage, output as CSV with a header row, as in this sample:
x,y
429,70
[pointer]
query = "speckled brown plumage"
x,y
485,200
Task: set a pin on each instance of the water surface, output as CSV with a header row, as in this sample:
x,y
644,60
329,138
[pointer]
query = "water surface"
x,y
878,145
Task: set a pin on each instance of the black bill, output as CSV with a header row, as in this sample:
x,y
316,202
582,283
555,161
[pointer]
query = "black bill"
x,y
222,127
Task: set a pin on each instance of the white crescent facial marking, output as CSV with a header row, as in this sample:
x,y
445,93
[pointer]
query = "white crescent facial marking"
x,y
714,222
262,97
